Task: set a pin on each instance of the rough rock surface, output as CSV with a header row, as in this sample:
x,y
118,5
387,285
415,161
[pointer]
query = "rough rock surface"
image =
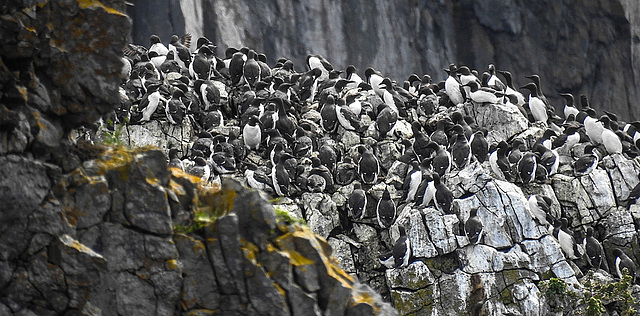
x,y
94,230
576,47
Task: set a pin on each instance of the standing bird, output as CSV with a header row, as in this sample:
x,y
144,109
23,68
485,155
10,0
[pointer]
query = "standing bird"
x,y
420,141
494,82
318,61
499,162
473,227
587,162
412,181
610,140
511,90
308,84
442,160
386,210
150,102
236,67
357,203
540,208
452,85
368,166
526,167
157,46
549,159
536,105
569,107
329,115
386,120
280,176
402,249
252,133
481,95
251,71
347,118
461,151
200,68
567,243
479,145
374,78
175,109
594,250
443,196
623,261
352,77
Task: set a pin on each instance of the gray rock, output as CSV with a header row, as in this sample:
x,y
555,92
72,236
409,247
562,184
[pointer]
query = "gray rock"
x,y
199,283
302,303
320,212
502,121
414,277
161,134
93,201
499,16
623,173
387,153
265,298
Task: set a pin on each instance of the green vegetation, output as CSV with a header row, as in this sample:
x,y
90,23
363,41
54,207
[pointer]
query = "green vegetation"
x,y
594,297
200,220
282,215
112,134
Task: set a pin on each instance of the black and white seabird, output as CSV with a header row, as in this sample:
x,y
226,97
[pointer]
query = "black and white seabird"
x,y
252,133
443,196
200,68
569,107
346,171
461,151
549,158
610,140
386,120
318,61
594,250
329,115
536,105
386,210
357,203
175,109
442,160
251,71
368,166
499,162
280,176
540,208
479,145
420,141
412,181
567,243
328,156
511,90
347,118
256,178
481,95
374,78
526,167
452,85
587,162
156,46
623,261
473,227
402,249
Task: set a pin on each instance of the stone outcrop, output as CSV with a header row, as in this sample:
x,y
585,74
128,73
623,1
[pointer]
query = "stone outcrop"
x,y
575,47
95,230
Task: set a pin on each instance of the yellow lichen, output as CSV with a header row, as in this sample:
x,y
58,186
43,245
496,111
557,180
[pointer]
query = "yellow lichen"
x,y
250,250
94,3
173,264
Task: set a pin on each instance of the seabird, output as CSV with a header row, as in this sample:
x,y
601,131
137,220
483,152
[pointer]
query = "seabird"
x,y
386,210
402,249
623,261
443,196
357,203
368,166
473,227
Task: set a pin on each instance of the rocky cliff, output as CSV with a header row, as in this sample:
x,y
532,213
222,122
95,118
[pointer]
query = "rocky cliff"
x,y
577,47
95,230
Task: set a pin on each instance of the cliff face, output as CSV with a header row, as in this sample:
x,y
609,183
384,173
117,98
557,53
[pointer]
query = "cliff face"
x,y
578,48
92,230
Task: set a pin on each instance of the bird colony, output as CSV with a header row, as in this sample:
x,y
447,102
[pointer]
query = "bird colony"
x,y
411,163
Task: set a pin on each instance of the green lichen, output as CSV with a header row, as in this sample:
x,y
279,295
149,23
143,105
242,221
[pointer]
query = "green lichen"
x,y
282,215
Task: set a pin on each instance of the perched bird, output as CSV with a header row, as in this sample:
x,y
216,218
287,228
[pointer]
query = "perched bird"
x,y
479,145
200,68
256,178
540,208
443,196
150,102
426,191
594,250
499,162
368,166
374,78
347,118
352,77
587,162
329,115
386,210
280,176
328,156
482,95
402,249
536,105
251,70
622,261
420,141
452,85
494,82
473,227
510,90
412,181
346,171
567,243
318,61
569,107
461,151
252,133
175,109
548,158
386,120
442,160
526,167
156,46
357,203
610,140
